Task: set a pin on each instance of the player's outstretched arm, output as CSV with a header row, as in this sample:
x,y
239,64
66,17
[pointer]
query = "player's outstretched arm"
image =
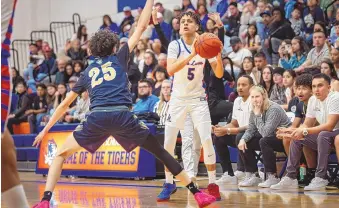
x,y
218,67
141,24
60,110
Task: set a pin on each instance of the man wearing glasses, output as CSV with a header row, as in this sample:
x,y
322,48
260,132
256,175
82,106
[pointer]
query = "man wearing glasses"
x,y
146,101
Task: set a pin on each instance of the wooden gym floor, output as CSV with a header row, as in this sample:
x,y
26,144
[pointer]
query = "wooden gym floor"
x,y
100,193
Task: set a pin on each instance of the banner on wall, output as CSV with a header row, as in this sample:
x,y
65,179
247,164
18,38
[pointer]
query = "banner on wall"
x,y
71,195
109,157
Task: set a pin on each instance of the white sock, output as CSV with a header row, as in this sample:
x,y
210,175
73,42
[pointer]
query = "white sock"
x,y
15,197
169,177
211,176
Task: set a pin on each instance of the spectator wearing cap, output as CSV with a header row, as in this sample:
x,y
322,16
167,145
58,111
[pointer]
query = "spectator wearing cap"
x,y
166,28
264,34
238,55
233,20
167,14
176,11
279,30
128,19
278,91
109,24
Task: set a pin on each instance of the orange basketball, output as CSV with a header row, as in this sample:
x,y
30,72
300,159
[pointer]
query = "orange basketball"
x,y
208,45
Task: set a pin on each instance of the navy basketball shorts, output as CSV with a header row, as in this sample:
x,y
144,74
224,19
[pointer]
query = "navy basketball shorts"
x,y
123,125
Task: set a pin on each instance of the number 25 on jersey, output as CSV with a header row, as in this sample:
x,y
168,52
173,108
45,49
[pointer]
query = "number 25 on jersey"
x,y
108,71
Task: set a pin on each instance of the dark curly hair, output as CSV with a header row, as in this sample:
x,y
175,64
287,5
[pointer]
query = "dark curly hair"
x,y
103,43
304,80
194,16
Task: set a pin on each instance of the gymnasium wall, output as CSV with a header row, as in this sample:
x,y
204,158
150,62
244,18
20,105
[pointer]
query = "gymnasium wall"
x,y
37,14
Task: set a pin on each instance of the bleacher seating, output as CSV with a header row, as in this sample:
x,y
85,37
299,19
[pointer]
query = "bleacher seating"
x,y
25,151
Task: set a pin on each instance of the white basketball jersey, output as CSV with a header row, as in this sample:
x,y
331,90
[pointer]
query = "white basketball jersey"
x,y
188,82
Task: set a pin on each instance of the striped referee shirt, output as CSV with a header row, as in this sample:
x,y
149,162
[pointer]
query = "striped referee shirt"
x,y
162,113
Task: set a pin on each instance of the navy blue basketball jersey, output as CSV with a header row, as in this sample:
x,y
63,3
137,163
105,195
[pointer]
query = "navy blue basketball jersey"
x,y
106,80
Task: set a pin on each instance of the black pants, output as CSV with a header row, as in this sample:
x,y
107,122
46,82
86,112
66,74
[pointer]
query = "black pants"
x,y
221,145
153,146
268,145
221,110
248,157
13,121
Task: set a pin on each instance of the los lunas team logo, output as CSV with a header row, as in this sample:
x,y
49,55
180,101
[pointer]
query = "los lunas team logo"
x,y
51,152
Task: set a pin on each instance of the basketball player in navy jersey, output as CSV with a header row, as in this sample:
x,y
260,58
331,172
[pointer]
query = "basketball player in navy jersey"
x,y
107,84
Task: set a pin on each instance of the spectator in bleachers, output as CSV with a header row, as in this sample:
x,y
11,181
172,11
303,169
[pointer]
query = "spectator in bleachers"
x,y
50,97
332,32
128,19
296,22
203,13
175,31
46,67
322,108
125,31
68,73
162,60
82,107
266,116
76,53
60,74
78,68
327,68
18,115
312,14
334,37
278,91
109,24
160,74
140,53
82,36
317,54
280,29
157,48
264,33
335,59
232,22
252,40
260,61
267,79
238,55
60,95
167,14
39,109
231,133
176,11
247,67
186,5
288,82
161,107
16,78
146,101
298,53
166,28
150,62
249,16
284,49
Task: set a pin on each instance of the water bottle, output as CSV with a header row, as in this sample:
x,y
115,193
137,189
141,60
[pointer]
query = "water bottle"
x,y
261,170
302,172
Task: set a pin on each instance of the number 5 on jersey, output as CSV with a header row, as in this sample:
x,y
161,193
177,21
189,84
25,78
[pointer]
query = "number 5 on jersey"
x,y
190,75
108,71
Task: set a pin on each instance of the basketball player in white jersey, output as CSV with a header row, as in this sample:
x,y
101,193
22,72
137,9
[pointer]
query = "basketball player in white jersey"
x,y
189,96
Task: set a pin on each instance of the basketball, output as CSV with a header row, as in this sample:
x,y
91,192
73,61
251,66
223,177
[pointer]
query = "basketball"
x,y
208,45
